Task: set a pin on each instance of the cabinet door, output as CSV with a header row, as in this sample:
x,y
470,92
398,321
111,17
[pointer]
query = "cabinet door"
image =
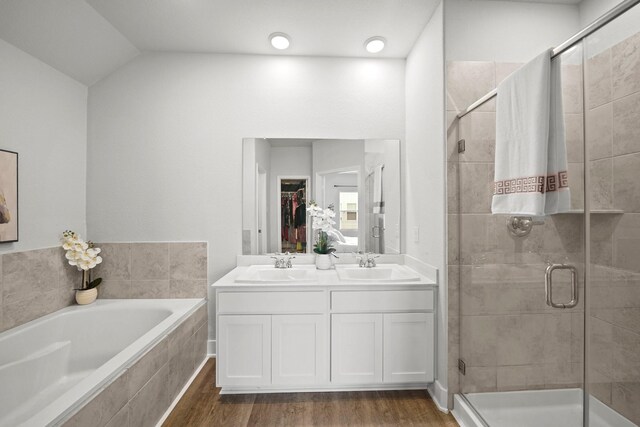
x,y
356,348
408,348
299,349
244,352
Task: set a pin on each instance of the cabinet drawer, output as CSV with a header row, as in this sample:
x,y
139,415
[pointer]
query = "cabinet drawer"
x,y
367,301
271,302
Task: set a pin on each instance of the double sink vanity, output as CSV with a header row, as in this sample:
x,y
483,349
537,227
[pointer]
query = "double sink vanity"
x,y
302,329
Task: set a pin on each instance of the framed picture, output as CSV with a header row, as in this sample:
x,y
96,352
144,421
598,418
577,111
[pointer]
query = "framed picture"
x,y
8,196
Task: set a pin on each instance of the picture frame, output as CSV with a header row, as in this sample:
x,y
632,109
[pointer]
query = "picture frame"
x,y
9,217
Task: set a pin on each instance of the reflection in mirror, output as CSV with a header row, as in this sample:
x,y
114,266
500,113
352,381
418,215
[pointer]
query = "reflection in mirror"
x,y
360,179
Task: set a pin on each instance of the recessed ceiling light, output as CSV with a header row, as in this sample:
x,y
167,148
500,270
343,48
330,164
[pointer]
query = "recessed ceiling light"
x,y
279,40
374,44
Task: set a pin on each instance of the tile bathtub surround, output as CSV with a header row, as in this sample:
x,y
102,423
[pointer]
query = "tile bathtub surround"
x,y
141,394
153,270
34,284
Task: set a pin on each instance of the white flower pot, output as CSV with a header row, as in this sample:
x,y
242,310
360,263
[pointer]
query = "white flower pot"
x,y
86,297
323,262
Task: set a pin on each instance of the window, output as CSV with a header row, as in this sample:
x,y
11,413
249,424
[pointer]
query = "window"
x,y
348,210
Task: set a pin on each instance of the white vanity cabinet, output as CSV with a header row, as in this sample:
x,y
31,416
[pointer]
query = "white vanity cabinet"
x,y
261,344
325,337
393,346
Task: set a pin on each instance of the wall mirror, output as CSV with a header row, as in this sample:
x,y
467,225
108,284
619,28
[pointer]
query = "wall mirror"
x,y
360,178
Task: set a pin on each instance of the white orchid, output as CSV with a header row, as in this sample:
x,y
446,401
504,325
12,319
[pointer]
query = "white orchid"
x,y
80,254
322,223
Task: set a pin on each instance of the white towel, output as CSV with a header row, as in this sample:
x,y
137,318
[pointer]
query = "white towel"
x,y
378,199
531,154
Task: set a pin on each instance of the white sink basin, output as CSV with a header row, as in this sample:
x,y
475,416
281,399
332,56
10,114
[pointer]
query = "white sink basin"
x,y
383,273
270,274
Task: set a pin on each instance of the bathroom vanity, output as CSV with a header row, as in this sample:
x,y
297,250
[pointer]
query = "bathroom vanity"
x,y
302,329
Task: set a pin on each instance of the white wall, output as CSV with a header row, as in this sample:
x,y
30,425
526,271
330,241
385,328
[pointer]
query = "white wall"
x,y
506,31
590,10
613,33
43,118
424,160
165,136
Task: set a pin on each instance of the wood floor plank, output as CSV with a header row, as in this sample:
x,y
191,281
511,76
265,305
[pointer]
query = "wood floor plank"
x,y
202,405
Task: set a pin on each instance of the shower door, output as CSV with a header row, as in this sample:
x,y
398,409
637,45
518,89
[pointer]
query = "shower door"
x,y
612,95
520,359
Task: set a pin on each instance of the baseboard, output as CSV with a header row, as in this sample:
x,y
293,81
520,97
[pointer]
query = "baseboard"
x,y
439,395
182,392
211,348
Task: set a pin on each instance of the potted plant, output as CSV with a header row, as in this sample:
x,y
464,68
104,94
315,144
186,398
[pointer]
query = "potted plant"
x,y
322,223
84,256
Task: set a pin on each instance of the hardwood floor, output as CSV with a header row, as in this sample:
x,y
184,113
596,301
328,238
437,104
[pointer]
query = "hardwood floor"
x,y
202,405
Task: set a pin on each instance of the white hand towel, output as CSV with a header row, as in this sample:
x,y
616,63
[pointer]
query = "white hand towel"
x,y
531,154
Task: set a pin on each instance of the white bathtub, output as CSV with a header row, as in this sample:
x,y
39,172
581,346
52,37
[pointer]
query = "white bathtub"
x,y
51,366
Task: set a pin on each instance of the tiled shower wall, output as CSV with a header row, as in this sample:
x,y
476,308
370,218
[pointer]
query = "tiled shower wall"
x,y
38,282
613,140
499,323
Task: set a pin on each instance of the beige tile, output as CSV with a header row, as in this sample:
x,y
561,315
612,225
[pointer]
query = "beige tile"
x,y
453,189
625,398
453,239
479,340
188,261
600,386
115,289
143,369
180,335
524,377
577,337
149,261
625,58
600,131
188,288
102,408
556,341
574,134
598,71
31,273
200,317
626,125
146,407
22,311
116,261
601,188
475,187
626,355
121,419
478,129
200,339
467,81
626,242
520,339
477,239
479,379
576,185
601,348
562,374
602,229
572,89
626,185
151,289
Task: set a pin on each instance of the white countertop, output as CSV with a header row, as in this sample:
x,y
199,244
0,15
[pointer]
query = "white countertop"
x,y
326,278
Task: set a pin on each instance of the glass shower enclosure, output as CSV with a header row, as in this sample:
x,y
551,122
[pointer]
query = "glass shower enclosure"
x,y
547,310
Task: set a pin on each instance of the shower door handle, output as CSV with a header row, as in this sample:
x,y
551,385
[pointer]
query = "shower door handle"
x,y
548,285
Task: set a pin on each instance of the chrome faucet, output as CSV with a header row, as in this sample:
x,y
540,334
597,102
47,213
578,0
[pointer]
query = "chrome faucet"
x,y
366,260
281,262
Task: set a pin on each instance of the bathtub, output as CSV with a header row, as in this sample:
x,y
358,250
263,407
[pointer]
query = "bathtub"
x,y
52,366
